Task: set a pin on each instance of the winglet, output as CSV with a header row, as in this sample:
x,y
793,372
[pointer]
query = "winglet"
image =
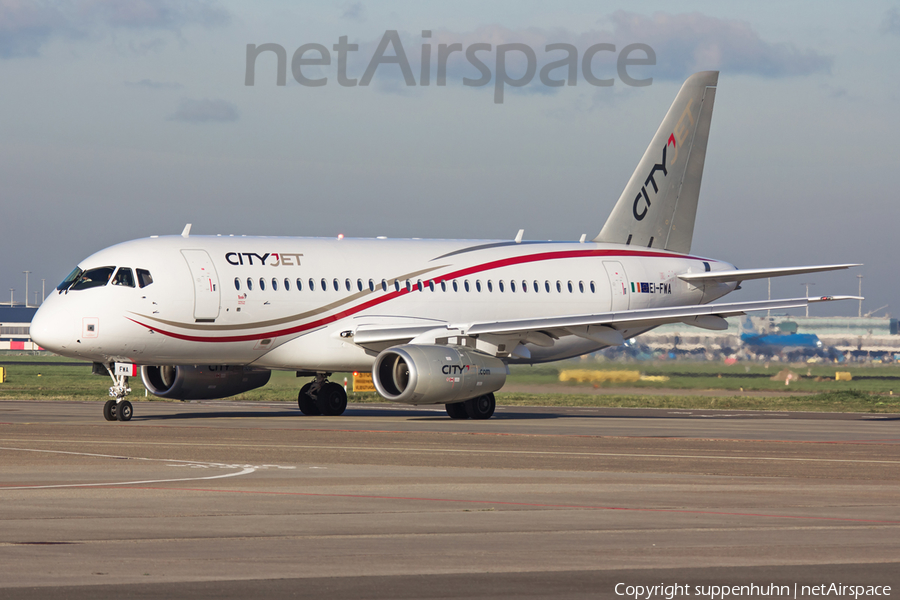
x,y
187,231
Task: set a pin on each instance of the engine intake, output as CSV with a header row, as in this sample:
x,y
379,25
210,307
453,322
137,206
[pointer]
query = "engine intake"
x,y
202,382
431,374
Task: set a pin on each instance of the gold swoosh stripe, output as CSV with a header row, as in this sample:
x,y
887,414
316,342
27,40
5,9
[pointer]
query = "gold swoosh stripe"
x,y
276,322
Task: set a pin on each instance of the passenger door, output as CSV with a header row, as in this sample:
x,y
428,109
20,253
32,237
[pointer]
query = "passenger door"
x,y
618,285
206,285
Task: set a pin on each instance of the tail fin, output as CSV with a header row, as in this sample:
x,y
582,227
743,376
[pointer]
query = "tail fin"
x,y
659,204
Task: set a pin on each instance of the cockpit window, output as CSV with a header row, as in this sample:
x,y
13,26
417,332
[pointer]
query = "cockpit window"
x,y
70,279
93,278
123,277
143,277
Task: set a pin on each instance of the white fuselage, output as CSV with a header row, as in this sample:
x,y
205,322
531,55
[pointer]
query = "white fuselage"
x,y
284,303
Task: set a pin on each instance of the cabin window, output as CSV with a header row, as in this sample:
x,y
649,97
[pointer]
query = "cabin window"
x,y
581,286
299,284
324,285
431,284
249,284
312,284
237,283
455,286
144,278
123,277
371,285
383,285
466,284
571,289
490,286
512,286
547,286
419,285
593,288
337,286
559,286
274,285
478,285
443,285
537,287
500,285
359,284
287,284
524,286
93,278
348,286
262,284
408,286
396,285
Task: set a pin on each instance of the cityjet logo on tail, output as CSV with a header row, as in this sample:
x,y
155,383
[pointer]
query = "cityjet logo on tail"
x,y
269,259
676,139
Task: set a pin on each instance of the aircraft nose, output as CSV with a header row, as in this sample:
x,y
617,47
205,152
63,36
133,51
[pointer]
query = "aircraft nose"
x,y
48,329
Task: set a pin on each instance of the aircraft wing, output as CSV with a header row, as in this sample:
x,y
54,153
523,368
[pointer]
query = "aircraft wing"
x,y
646,317
747,274
708,316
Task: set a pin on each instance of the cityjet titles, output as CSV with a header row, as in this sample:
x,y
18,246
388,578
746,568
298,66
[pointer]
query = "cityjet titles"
x,y
676,139
461,369
269,259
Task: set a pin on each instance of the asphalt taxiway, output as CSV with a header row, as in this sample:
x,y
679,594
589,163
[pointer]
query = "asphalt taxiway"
x,y
225,499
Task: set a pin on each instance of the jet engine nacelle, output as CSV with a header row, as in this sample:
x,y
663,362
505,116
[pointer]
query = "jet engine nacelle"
x,y
430,374
202,382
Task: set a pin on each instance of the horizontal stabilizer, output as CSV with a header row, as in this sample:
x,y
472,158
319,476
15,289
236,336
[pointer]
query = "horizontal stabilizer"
x,y
748,274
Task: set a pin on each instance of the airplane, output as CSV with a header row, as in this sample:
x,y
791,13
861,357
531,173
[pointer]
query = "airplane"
x,y
434,321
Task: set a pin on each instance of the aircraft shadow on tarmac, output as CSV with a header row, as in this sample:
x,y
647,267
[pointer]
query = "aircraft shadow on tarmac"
x,y
417,415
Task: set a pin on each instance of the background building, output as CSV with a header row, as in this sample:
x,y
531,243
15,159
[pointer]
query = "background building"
x,y
15,328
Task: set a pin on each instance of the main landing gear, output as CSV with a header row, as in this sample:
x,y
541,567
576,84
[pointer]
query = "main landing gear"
x,y
322,397
479,408
119,409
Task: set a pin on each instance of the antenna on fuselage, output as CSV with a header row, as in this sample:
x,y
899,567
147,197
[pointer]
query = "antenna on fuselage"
x,y
519,236
187,231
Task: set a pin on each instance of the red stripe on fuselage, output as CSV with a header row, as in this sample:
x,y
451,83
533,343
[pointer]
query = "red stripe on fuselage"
x,y
496,264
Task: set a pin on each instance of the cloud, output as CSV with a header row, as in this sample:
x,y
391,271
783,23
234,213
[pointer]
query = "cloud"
x,y
155,85
204,111
890,23
689,42
158,14
683,44
27,25
354,12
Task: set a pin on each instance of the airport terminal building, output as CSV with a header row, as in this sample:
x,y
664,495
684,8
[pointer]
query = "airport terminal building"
x,y
15,328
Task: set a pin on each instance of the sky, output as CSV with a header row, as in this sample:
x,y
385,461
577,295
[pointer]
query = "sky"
x,y
123,119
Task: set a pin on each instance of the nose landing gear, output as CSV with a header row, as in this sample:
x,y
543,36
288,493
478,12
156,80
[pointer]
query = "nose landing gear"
x,y
119,409
322,397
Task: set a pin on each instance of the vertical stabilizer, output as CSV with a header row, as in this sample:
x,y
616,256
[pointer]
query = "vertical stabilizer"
x,y
659,204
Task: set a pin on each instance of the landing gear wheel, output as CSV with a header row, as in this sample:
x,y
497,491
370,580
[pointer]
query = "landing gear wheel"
x,y
481,407
457,410
109,410
332,399
124,410
306,403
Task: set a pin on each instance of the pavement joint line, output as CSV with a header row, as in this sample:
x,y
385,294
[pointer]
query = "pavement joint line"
x,y
538,505
245,470
461,451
